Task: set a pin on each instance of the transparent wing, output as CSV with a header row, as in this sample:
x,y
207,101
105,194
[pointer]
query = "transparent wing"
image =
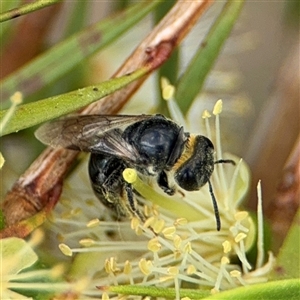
x,y
91,133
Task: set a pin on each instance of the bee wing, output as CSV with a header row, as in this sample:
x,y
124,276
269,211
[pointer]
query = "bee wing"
x,y
91,133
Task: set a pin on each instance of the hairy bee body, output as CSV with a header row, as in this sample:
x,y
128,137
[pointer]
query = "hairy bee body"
x,y
153,145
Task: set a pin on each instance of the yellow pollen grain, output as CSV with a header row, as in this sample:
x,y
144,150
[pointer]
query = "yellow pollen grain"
x,y
135,222
113,264
107,266
127,267
16,98
158,226
154,245
225,260
93,223
168,92
145,266
130,175
65,249
235,273
138,231
188,248
174,271
240,237
164,81
180,221
147,210
87,242
191,269
185,298
177,241
169,232
218,107
226,246
241,215
206,114
149,222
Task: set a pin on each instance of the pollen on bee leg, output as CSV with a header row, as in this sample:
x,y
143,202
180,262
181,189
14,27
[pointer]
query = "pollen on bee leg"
x,y
129,175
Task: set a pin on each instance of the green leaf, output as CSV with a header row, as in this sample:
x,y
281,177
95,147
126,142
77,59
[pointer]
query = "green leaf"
x,y
194,77
31,114
281,289
60,59
288,260
26,9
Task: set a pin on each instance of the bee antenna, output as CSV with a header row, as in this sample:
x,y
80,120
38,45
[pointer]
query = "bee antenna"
x,y
225,161
215,205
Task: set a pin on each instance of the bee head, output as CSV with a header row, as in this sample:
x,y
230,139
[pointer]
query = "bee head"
x,y
196,165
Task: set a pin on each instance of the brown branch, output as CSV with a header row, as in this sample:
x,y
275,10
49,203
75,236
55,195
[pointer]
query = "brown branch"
x,y
44,177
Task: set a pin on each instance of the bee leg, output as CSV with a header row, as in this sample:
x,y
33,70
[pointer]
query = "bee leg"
x,y
132,202
162,181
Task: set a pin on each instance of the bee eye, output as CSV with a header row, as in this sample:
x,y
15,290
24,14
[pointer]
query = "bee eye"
x,y
186,179
196,171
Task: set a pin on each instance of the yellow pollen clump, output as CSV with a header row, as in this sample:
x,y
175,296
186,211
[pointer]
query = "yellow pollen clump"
x,y
149,222
145,266
235,273
130,175
66,250
191,269
240,237
225,260
206,114
87,242
127,267
169,232
173,271
93,223
135,222
177,241
241,215
158,225
154,245
218,107
180,221
226,246
188,248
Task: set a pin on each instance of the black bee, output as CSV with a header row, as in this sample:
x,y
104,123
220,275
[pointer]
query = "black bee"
x,y
151,144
